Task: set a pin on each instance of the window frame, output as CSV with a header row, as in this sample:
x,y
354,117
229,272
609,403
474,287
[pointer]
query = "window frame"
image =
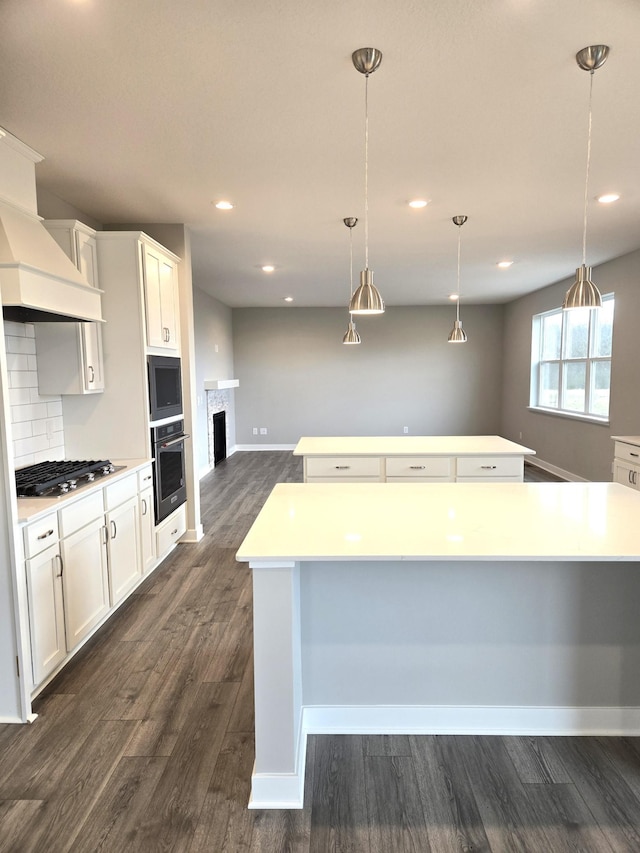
x,y
589,360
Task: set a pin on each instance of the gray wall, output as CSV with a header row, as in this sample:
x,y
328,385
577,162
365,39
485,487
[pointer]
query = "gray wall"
x,y
297,378
212,326
582,448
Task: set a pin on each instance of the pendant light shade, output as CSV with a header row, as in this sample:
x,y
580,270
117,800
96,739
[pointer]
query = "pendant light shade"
x,y
351,336
457,335
367,298
583,293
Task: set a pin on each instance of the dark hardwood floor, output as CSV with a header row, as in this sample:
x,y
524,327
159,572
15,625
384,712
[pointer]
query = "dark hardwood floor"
x,y
144,742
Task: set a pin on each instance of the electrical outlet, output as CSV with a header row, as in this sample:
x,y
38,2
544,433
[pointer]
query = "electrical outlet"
x,y
215,347
520,434
255,430
263,430
405,430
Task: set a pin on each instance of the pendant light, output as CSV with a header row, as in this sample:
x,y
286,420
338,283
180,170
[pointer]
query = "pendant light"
x,y
583,293
366,299
351,336
457,335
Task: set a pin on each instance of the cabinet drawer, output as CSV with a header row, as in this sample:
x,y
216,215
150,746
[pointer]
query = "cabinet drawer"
x,y
343,466
120,491
40,535
490,466
145,478
80,513
170,530
628,452
419,466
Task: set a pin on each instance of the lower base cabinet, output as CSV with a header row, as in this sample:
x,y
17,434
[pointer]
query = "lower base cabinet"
x,y
147,531
123,548
46,612
85,581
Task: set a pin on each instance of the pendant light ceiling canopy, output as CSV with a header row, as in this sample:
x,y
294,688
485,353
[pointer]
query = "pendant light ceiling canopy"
x,y
351,336
457,335
583,293
367,298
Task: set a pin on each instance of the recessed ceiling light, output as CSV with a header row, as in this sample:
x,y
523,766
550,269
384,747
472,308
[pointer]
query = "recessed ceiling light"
x,y
267,268
224,205
453,297
607,198
504,265
418,203
288,299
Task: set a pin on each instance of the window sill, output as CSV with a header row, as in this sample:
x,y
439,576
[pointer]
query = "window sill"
x,y
590,419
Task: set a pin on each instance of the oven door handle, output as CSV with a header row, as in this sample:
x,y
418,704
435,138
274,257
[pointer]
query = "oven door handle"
x,y
174,441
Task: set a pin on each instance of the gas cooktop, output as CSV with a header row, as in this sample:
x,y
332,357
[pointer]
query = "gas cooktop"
x,y
50,479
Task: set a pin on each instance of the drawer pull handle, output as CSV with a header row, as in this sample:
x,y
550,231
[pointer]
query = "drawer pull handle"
x,y
144,506
58,557
45,535
489,467
92,374
342,467
173,532
633,454
417,467
114,530
148,477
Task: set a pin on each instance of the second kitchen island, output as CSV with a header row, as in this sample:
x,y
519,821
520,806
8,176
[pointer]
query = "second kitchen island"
x,y
506,608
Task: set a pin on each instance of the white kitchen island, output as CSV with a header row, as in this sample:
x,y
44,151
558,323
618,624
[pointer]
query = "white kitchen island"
x,y
411,458
440,608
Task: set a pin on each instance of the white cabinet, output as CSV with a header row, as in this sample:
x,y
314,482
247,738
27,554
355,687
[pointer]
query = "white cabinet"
x,y
161,298
147,531
44,593
170,530
626,462
123,547
70,359
345,469
489,469
429,469
86,583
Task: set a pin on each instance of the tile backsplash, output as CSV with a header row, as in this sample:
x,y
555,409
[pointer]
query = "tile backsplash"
x,y
36,419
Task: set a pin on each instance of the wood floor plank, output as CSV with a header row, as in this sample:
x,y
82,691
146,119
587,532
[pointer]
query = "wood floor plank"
x,y
339,797
71,791
396,817
126,798
233,651
454,824
386,745
180,793
605,792
536,760
16,821
243,714
569,825
225,823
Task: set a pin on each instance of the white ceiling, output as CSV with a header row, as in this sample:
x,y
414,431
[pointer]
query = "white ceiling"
x,y
150,111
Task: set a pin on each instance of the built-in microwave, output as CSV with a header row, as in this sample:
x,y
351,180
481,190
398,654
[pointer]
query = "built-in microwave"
x,y
165,387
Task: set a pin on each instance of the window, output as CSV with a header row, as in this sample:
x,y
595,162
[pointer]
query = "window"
x,y
571,360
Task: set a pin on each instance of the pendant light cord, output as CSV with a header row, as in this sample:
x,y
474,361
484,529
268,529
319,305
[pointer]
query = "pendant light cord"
x,y
366,171
351,261
458,299
586,182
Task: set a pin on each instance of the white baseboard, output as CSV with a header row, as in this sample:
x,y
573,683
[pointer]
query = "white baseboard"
x,y
193,535
281,790
553,469
472,720
207,469
265,447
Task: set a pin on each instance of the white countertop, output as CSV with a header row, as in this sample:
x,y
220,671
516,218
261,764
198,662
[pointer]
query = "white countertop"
x,y
628,439
446,521
409,445
31,508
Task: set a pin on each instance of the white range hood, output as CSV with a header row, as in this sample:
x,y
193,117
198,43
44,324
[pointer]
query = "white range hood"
x,y
38,282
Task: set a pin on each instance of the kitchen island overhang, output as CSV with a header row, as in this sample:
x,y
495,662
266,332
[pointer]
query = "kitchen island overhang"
x,y
449,608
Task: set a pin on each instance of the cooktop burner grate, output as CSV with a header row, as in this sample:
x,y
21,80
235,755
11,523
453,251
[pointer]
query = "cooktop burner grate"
x,y
57,477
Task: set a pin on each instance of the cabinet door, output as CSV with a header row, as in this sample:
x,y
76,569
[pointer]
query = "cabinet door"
x,y
46,612
147,531
85,581
160,286
626,474
87,257
91,342
124,549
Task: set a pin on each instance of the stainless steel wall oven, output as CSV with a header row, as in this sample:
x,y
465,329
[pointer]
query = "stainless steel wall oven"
x,y
169,486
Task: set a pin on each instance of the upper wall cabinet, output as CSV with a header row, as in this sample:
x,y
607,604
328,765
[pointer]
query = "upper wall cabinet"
x,y
70,354
161,298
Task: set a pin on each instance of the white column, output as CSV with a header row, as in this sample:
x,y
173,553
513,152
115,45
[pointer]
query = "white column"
x,y
278,774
